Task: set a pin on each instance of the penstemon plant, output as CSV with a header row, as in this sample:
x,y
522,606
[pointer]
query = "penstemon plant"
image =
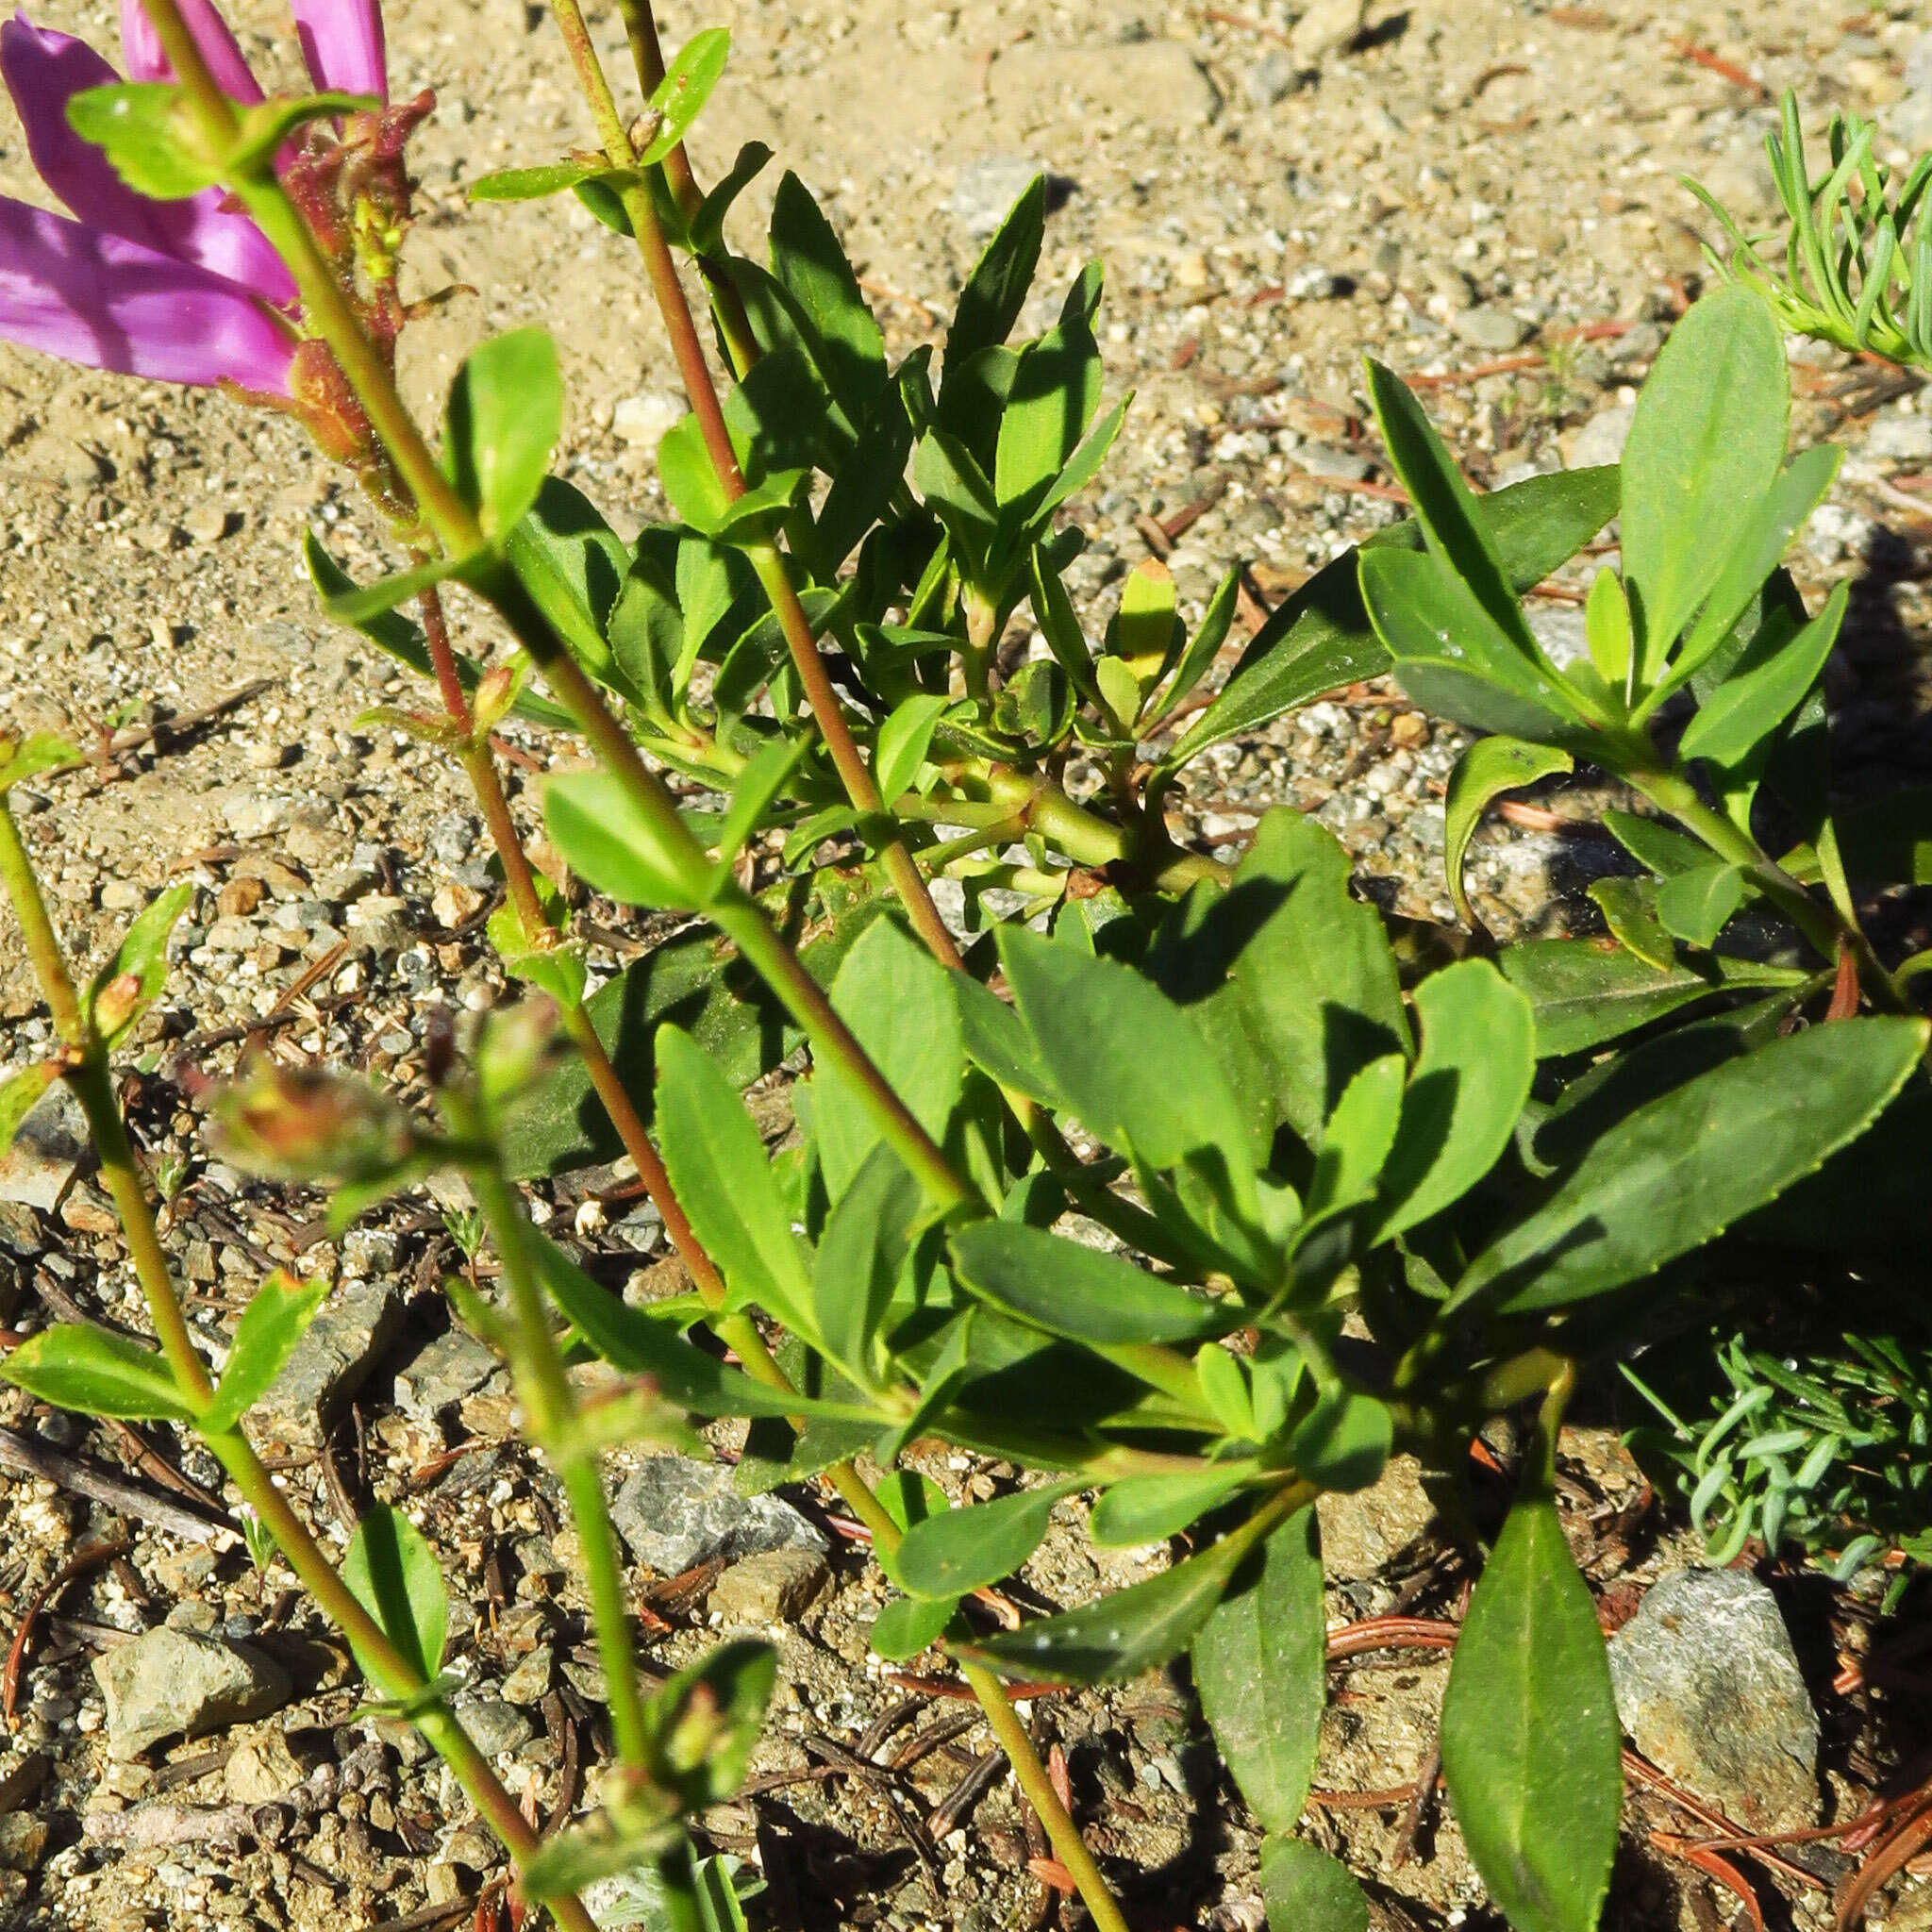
x,y
1176,1181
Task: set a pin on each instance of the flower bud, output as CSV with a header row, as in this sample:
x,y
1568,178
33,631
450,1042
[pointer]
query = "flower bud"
x,y
303,1124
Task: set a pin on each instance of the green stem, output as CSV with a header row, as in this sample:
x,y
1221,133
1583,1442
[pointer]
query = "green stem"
x,y
43,947
550,1405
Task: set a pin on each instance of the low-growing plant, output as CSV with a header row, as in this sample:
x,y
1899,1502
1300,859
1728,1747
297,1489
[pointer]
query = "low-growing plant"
x,y
1171,1179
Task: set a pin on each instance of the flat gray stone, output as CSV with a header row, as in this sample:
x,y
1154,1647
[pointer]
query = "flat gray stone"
x,y
1602,438
173,1683
1491,326
1710,1690
330,1363
441,1372
675,1512
493,1725
50,1144
774,1587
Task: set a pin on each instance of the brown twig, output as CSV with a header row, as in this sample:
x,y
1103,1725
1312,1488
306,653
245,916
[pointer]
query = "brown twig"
x,y
1716,64
112,1491
951,1811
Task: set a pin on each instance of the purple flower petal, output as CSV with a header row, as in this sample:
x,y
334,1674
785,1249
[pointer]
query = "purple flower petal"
x,y
42,69
114,304
141,47
341,45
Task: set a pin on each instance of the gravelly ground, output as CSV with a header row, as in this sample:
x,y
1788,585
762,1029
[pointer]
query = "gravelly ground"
x,y
1474,184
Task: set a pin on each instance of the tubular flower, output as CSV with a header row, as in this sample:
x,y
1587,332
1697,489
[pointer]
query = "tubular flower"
x,y
185,290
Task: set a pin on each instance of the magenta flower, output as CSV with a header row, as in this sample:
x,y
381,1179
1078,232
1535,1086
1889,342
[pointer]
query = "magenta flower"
x,y
174,291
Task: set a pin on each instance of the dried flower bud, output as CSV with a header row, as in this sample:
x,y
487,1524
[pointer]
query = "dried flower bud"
x,y
299,1124
117,1003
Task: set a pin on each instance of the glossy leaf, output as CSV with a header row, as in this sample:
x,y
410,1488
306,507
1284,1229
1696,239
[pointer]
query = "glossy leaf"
x,y
94,1371
1321,637
533,184
959,1550
1675,1174
1706,442
1629,910
1659,847
147,132
1316,975
274,1321
1131,1065
753,793
1054,393
1606,628
1696,905
140,959
1306,1891
505,414
1151,1509
27,757
1529,1736
1065,1288
396,1576
899,1003
1758,695
573,564
910,1624
720,1170
1465,1094
688,82
1483,774
844,337
996,290
1585,991
1342,1443
708,224
904,738
860,1257
611,845
1260,1670
1124,1633
1357,1136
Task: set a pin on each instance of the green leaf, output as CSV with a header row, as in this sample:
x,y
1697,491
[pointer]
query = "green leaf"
x,y
1056,391
1205,646
1606,628
860,1254
758,786
1457,538
19,1093
149,136
1585,991
996,291
689,482
1122,1634
1306,1891
1342,1443
1131,1065
1357,1136
393,1571
1151,1509
142,956
903,741
1316,976
505,414
1120,692
680,97
1530,1741
1083,465
1759,693
610,844
356,608
27,757
899,1002
533,184
1489,768
1654,846
947,1554
1321,639
1471,1079
1675,1174
644,1344
1695,905
1453,659
708,224
1260,1666
95,1373
1779,515
910,1624
1706,442
1629,910
1065,1288
720,1170
573,564
956,490
273,1323
843,335
705,1721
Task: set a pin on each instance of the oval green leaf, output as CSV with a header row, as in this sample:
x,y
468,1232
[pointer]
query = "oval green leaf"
x,y
393,1573
945,1556
1306,1891
1489,768
271,1326
92,1372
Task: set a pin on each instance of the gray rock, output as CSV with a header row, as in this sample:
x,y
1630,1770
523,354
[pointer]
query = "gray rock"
x,y
23,1839
1602,438
675,1512
1491,326
1559,629
441,1372
1271,78
643,419
1328,26
984,192
330,1363
51,1142
173,1683
493,1725
1709,1688
531,1678
770,1587
1901,439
